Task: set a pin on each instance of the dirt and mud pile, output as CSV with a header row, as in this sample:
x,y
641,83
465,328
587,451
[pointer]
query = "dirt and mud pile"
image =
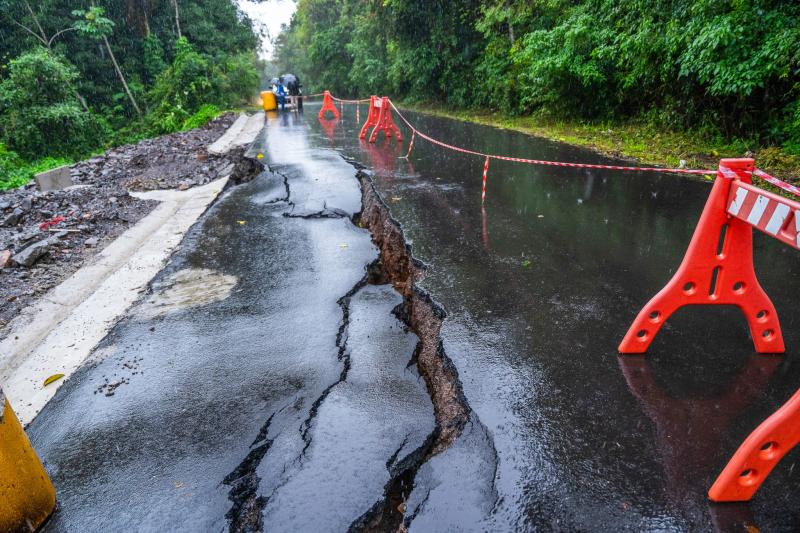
x,y
46,236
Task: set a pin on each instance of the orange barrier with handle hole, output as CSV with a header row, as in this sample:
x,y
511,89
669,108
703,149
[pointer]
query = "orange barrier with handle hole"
x,y
759,454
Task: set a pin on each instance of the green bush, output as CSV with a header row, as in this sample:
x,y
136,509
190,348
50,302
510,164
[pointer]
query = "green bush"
x,y
181,89
239,79
39,112
190,91
204,115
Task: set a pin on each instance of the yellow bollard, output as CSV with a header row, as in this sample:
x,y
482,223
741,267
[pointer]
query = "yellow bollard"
x,y
269,101
27,497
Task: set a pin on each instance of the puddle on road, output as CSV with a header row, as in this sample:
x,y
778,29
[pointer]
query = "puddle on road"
x,y
191,287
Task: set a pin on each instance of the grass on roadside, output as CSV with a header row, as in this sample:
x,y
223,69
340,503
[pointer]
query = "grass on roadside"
x,y
14,172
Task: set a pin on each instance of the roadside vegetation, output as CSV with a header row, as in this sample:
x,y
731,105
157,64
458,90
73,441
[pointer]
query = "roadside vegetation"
x,y
659,81
79,77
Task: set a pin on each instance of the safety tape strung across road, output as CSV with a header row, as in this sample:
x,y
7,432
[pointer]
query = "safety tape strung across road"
x,y
757,172
543,162
344,100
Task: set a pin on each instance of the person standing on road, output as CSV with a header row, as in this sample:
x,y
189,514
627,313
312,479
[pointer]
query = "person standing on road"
x,y
281,93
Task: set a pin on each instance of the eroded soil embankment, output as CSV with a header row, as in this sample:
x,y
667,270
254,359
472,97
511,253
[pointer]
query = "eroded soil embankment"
x,y
397,265
45,236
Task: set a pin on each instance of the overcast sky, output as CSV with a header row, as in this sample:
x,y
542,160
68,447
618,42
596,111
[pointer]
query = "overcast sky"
x,y
268,17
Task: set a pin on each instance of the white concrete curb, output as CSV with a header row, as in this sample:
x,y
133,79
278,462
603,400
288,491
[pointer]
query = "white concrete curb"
x,y
241,132
57,333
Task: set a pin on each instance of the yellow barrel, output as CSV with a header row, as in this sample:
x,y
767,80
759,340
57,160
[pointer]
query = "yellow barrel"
x,y
269,101
26,495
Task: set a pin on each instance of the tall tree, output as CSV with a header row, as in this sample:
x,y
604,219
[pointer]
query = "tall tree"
x,y
177,18
95,25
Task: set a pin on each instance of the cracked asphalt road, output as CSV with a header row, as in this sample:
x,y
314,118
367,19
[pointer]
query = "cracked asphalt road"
x,y
293,402
238,410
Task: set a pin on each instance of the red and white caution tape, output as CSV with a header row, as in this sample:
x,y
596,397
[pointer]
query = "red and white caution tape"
x,y
414,132
411,144
361,101
485,171
543,162
777,182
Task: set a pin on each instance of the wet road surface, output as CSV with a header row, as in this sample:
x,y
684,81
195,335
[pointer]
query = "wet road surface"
x,y
540,287
261,373
263,383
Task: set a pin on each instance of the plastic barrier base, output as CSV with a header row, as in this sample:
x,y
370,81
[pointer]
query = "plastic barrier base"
x,y
327,106
716,270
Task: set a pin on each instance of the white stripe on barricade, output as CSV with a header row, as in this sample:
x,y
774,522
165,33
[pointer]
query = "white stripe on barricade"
x,y
765,211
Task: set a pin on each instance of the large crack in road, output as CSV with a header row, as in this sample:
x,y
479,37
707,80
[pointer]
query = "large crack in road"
x,y
307,395
395,266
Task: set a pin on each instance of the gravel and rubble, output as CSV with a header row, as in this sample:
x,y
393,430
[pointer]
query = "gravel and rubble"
x,y
46,236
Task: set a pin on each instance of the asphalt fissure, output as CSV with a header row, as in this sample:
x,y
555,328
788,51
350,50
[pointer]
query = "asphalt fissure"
x,y
245,513
422,315
419,312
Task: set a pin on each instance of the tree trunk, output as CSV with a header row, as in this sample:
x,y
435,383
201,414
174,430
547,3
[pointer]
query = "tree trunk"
x,y
122,77
177,18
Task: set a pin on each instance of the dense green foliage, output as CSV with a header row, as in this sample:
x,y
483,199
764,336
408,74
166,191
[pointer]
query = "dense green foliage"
x,y
729,68
78,76
41,115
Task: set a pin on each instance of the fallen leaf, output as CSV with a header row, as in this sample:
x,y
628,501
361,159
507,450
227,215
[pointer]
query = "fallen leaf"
x,y
242,222
51,379
260,156
526,263
179,484
396,198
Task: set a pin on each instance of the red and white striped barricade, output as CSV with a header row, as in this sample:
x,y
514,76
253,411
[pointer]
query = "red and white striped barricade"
x,y
718,270
718,266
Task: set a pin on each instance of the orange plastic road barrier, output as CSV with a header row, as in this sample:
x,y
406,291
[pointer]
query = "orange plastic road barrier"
x,y
386,123
327,105
380,117
758,454
716,270
372,117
